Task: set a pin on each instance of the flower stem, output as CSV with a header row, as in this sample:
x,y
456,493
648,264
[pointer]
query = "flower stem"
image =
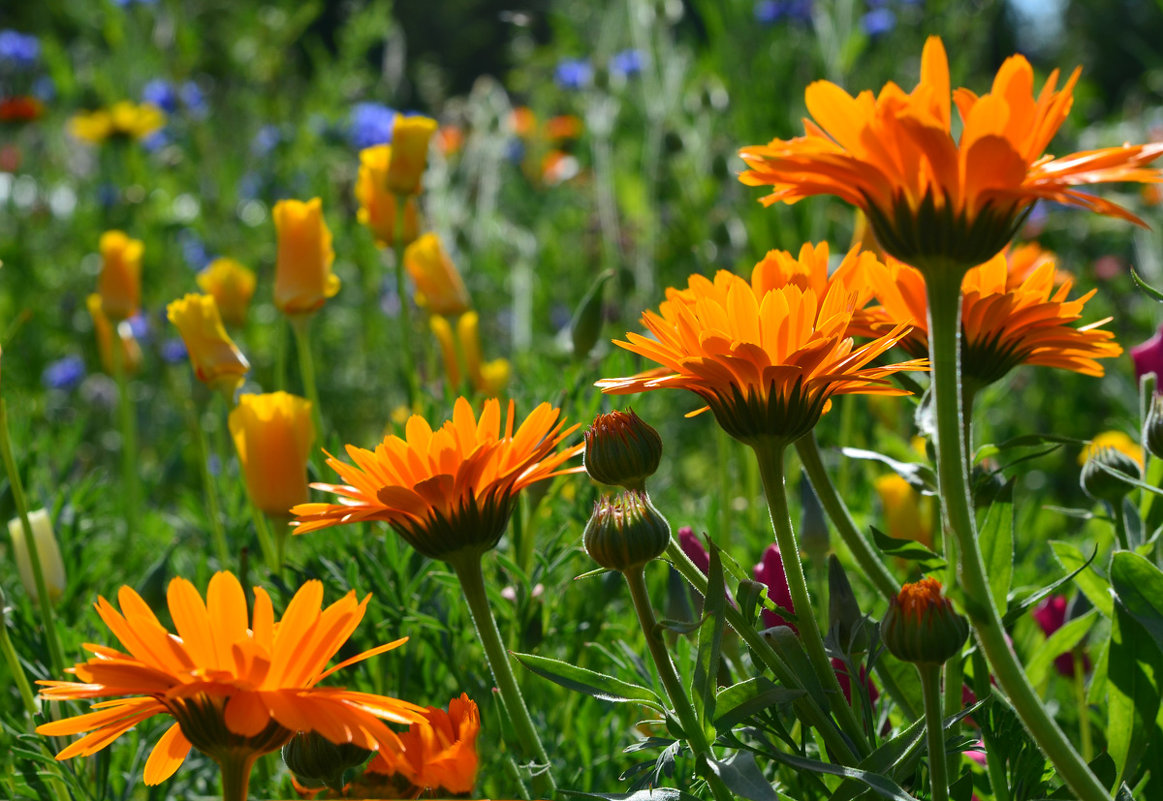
x,y
208,489
472,585
943,286
235,770
770,457
935,731
15,668
696,737
300,324
411,380
128,422
874,569
1083,704
44,601
270,554
1120,516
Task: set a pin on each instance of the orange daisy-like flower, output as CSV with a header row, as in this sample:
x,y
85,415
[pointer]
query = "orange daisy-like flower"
x,y
451,490
1014,310
766,355
926,194
236,688
440,756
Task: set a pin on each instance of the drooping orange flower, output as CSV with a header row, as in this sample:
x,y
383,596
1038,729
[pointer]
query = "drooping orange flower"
x,y
1014,310
926,194
451,490
439,287
766,355
217,361
440,754
236,687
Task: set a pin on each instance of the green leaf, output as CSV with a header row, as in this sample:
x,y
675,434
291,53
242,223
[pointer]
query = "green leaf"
x,y
884,759
1018,608
1057,644
706,673
997,544
1024,441
881,785
1149,290
740,701
919,476
1138,585
907,549
589,682
1135,668
652,794
1094,587
786,643
743,777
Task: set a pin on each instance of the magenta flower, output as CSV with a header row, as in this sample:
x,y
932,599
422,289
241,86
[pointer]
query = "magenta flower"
x,y
771,573
1148,356
693,548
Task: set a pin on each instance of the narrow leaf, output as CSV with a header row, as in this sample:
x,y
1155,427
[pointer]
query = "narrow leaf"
x,y
589,682
920,476
997,544
1149,290
1058,643
1017,609
705,681
1095,588
907,549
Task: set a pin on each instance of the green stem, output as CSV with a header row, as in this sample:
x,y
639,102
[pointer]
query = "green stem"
x,y
209,490
129,455
943,286
935,730
472,585
280,357
995,760
270,554
770,457
1083,705
806,707
300,325
411,380
235,772
696,737
1120,516
954,681
874,569
44,601
15,668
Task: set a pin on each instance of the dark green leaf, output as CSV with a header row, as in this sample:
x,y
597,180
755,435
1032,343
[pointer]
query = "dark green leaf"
x,y
740,701
1138,586
1058,643
882,785
1095,588
589,682
743,777
1018,608
1149,290
907,549
704,683
997,544
1134,669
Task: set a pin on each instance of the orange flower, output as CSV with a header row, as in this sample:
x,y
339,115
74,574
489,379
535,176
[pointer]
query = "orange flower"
x,y
451,490
766,355
232,286
273,434
237,688
377,204
303,277
106,329
563,126
410,138
20,108
450,139
440,755
217,361
439,287
119,284
926,194
488,378
1013,311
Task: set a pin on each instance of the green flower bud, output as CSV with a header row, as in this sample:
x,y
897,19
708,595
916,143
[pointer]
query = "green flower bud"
x,y
921,625
1102,485
1153,428
316,760
626,531
622,450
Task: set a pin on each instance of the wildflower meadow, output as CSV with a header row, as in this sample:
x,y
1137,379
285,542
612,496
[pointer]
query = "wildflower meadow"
x,y
632,400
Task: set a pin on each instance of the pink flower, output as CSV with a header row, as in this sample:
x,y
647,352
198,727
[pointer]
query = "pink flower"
x,y
770,572
1148,356
693,548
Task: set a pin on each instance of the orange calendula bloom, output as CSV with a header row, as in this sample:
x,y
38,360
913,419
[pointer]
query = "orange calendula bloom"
x,y
410,138
123,119
108,330
926,194
217,361
766,354
237,685
1014,310
119,284
439,287
440,755
21,108
232,286
448,491
303,277
273,434
377,204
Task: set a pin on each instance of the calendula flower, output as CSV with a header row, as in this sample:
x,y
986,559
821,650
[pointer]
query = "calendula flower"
x,y
47,549
440,754
410,138
377,204
439,287
450,490
217,361
303,277
123,120
237,685
1116,440
927,194
1013,311
488,378
273,434
907,514
110,335
232,286
766,356
119,283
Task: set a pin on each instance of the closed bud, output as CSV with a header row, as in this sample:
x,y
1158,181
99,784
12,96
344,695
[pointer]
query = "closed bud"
x,y
626,531
49,553
586,326
314,759
921,625
410,138
1153,428
1101,484
622,450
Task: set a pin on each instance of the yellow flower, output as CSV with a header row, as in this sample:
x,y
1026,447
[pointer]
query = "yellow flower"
x,y
105,329
488,378
443,333
908,515
377,204
122,119
303,277
119,284
216,359
410,137
47,549
439,287
1117,440
232,286
273,434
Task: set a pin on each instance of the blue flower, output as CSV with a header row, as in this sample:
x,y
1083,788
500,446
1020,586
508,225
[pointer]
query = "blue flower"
x,y
769,12
573,73
878,21
127,3
64,373
161,93
155,141
173,351
266,140
371,124
626,63
139,326
193,98
193,250
18,49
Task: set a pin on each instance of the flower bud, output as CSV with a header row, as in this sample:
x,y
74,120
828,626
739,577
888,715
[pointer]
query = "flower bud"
x,y
119,284
439,287
217,361
47,549
232,286
622,450
921,625
303,277
377,204
626,531
1102,485
314,759
410,138
273,434
1153,428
